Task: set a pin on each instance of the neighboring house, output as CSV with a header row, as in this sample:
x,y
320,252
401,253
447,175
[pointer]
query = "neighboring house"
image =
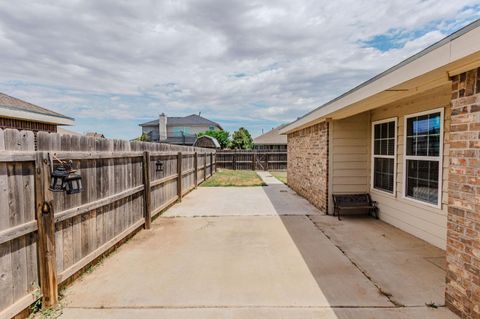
x,y
94,134
21,115
411,138
63,131
272,140
177,130
207,142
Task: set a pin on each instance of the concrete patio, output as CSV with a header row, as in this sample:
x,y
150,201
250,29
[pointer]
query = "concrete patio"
x,y
262,252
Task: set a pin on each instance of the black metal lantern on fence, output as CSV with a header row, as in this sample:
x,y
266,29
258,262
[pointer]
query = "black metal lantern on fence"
x,y
73,183
159,166
64,179
57,179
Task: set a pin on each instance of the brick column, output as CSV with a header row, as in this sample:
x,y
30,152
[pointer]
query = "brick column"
x,y
463,235
308,164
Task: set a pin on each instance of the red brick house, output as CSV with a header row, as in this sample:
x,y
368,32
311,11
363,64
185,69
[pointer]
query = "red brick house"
x,y
21,115
410,137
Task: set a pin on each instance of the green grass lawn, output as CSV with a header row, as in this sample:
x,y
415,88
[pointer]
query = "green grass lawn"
x,y
281,175
226,177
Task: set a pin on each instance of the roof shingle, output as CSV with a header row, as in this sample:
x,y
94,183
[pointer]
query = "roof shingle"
x,y
272,137
193,119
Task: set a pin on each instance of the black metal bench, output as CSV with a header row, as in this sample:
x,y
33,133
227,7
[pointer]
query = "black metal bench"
x,y
354,202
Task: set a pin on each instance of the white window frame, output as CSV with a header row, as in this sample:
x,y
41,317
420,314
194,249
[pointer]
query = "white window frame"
x,y
394,157
424,158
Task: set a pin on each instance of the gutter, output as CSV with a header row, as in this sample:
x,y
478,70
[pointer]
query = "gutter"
x,y
6,111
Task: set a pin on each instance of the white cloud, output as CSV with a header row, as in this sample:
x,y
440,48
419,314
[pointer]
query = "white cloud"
x,y
135,59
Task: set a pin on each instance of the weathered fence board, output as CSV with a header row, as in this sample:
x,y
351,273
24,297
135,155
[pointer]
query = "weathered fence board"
x,y
18,255
111,206
251,160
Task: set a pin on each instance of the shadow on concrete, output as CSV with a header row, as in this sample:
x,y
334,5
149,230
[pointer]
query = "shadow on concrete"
x,y
343,268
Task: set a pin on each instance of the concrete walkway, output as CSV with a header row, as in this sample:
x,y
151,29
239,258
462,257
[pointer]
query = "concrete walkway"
x,y
260,252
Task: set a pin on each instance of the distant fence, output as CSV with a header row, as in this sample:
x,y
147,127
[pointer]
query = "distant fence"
x,y
252,160
46,237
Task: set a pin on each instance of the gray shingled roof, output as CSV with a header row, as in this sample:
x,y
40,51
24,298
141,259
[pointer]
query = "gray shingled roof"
x,y
272,137
10,102
193,119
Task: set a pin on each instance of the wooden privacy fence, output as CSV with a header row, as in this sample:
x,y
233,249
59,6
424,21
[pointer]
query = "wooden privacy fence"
x,y
46,237
252,160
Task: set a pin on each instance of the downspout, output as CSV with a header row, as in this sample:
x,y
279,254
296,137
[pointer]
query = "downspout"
x,y
330,165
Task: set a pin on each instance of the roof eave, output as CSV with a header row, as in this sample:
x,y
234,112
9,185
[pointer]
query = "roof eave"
x,y
35,117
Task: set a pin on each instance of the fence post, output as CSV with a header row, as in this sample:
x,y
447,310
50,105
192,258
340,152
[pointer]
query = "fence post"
x,y
195,165
205,166
254,161
147,190
46,231
211,164
179,178
215,157
234,160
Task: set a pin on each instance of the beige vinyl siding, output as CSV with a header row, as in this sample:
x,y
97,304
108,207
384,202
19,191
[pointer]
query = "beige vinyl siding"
x,y
424,221
349,155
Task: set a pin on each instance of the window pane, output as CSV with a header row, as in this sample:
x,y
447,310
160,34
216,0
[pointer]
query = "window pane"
x,y
383,178
422,180
423,170
421,126
423,135
377,131
410,146
384,147
434,123
410,126
384,132
433,194
421,145
434,145
391,146
391,129
376,147
412,169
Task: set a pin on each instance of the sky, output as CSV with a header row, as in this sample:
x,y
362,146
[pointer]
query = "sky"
x,y
115,64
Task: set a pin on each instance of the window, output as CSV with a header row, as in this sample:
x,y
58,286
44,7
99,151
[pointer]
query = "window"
x,y
423,156
384,152
180,131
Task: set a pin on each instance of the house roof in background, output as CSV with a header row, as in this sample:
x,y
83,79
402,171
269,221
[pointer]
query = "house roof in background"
x,y
272,137
94,134
15,108
192,119
63,131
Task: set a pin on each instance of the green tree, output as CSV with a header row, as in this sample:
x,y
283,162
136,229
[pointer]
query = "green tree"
x,y
143,137
223,137
242,139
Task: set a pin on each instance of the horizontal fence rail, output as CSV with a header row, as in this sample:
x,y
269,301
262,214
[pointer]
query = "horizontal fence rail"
x,y
252,160
46,237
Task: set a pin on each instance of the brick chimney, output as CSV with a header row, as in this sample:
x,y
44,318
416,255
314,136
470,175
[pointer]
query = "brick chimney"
x,y
162,127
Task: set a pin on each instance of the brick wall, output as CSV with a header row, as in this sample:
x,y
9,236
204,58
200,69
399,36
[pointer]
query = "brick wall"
x,y
463,234
308,164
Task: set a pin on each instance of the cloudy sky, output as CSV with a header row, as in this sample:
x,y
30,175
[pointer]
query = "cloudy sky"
x,y
114,64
